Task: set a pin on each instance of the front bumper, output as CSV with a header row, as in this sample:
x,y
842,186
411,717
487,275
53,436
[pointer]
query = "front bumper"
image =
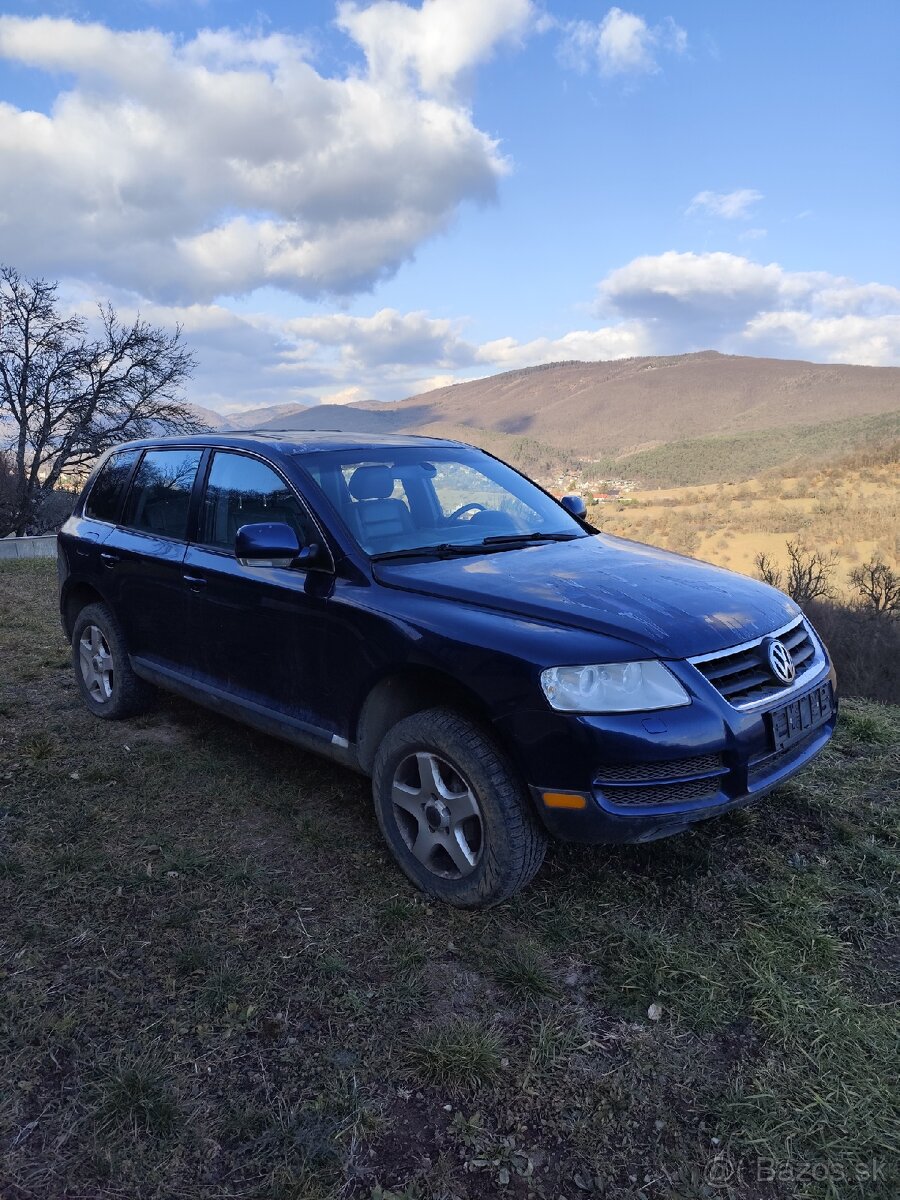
x,y
647,776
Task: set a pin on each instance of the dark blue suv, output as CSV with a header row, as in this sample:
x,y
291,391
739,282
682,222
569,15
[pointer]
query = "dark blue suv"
x,y
425,614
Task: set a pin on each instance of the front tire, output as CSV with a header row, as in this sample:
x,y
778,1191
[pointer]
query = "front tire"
x,y
108,686
452,812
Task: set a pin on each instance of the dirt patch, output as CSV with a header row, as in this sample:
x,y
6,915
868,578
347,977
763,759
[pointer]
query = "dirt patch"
x,y
457,991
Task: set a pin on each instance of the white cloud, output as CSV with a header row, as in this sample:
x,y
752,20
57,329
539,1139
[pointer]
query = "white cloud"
x,y
722,301
621,44
674,284
186,170
433,382
238,356
347,395
435,44
678,302
389,349
868,299
251,359
624,340
728,205
387,337
854,339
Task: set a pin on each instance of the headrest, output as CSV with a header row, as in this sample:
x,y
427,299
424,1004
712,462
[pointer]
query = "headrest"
x,y
371,483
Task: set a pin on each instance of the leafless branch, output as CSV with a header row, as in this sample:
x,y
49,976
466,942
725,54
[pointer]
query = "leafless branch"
x,y
878,586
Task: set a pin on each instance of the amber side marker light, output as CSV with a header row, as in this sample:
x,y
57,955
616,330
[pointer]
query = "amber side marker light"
x,y
563,800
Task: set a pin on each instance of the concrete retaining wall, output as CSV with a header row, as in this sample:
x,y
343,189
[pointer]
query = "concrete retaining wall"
x,y
28,547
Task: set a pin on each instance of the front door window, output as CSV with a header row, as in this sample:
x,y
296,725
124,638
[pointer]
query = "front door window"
x,y
244,491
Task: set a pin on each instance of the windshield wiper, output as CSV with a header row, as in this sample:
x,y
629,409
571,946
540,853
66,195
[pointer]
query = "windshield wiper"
x,y
502,539
425,551
485,546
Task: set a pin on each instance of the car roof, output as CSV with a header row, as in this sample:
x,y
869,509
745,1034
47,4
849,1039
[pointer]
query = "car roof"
x,y
297,441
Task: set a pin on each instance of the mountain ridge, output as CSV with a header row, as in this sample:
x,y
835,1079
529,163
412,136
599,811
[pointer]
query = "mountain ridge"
x,y
627,409
622,404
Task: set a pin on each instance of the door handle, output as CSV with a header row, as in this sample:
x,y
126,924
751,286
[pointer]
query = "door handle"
x,y
109,560
195,582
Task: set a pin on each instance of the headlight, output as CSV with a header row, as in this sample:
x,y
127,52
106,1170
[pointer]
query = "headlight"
x,y
613,688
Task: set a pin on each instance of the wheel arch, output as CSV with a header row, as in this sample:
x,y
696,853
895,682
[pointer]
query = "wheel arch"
x,y
412,690
75,597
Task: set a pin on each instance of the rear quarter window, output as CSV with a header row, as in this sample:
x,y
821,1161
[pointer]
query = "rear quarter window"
x,y
105,497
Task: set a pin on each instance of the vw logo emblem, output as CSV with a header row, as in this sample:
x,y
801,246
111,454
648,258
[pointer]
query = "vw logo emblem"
x,y
780,661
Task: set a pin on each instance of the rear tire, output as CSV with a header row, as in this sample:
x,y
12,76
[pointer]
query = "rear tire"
x,y
452,811
109,687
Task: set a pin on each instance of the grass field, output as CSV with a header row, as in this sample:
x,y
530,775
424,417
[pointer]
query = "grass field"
x,y
215,984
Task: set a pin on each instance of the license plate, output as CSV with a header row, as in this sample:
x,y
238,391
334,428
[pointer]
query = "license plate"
x,y
794,721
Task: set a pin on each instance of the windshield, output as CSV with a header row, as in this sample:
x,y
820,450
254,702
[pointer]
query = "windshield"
x,y
439,498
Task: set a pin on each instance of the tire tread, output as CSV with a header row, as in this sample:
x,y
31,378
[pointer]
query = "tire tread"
x,y
131,695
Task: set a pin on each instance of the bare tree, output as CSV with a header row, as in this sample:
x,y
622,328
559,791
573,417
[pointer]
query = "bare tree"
x,y
7,491
878,586
65,397
810,574
767,571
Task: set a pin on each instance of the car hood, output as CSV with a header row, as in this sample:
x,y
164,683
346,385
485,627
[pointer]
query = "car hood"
x,y
674,607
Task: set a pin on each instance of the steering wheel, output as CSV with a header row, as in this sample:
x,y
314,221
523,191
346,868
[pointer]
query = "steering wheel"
x,y
474,505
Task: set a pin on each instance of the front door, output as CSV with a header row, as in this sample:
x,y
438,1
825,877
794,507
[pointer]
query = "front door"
x,y
263,631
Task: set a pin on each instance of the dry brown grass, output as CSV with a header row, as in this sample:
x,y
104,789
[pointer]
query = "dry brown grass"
x,y
854,512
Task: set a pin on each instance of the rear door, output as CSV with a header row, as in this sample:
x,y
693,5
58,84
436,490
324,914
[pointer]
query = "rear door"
x,y
142,559
263,632
85,532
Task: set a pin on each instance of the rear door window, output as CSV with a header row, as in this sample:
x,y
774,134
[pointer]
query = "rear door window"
x,y
105,497
244,491
160,497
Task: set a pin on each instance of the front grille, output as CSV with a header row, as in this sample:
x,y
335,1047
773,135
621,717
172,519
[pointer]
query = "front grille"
x,y
647,772
743,676
693,790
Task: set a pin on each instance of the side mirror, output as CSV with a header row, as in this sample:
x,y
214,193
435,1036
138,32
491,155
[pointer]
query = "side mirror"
x,y
575,505
267,545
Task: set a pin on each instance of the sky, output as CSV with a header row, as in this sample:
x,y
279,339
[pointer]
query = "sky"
x,y
363,200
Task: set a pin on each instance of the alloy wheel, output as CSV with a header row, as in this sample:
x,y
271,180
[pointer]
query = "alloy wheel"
x,y
96,662
437,814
